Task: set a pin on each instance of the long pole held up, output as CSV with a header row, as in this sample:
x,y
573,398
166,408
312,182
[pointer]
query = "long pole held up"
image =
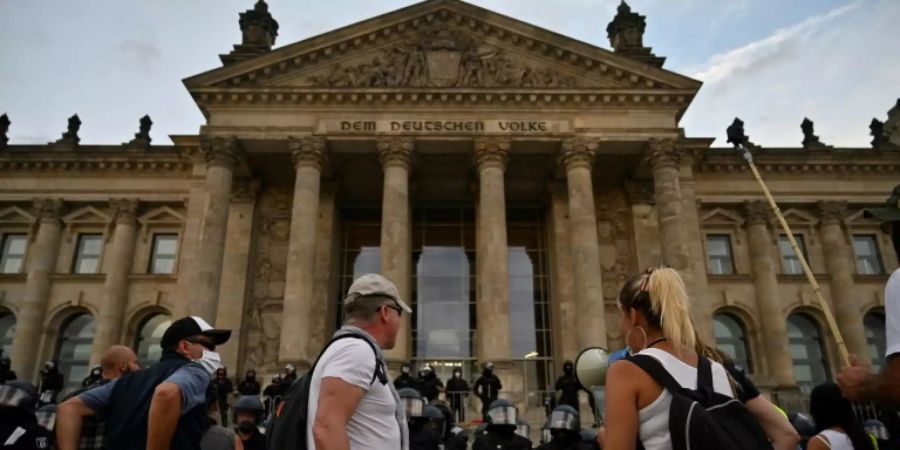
x,y
829,317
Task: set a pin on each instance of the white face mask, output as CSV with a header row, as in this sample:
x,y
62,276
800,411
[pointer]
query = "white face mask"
x,y
210,361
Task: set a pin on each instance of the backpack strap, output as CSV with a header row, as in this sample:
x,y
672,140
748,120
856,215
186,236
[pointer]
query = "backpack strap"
x,y
380,373
655,369
704,377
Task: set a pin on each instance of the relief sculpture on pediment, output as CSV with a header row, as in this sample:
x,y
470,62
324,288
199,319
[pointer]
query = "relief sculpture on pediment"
x,y
442,57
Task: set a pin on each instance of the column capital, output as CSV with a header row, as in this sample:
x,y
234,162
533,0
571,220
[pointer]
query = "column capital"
x,y
756,212
48,209
663,153
578,152
832,212
492,151
222,151
124,210
308,151
396,150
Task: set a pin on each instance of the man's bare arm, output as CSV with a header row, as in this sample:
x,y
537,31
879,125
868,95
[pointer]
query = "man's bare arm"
x,y
338,400
69,416
165,410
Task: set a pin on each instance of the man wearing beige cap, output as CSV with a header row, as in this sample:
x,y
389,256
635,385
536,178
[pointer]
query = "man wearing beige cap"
x,y
352,403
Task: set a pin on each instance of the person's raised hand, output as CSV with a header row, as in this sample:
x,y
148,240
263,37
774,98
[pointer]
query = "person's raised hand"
x,y
852,379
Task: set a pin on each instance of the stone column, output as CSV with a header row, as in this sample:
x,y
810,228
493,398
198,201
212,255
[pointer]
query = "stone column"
x,y
222,155
41,264
115,289
674,239
578,157
309,157
764,262
841,265
396,238
492,277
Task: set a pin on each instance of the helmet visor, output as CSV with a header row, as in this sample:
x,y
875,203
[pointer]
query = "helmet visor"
x,y
524,430
413,406
562,420
503,415
16,398
46,419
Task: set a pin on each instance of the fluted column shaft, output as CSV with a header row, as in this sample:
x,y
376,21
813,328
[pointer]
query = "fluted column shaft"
x,y
41,264
396,238
115,288
309,157
764,263
839,262
222,155
492,279
578,158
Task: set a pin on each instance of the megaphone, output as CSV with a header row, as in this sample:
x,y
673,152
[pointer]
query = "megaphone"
x,y
590,371
591,366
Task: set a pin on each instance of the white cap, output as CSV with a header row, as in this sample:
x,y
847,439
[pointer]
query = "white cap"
x,y
374,284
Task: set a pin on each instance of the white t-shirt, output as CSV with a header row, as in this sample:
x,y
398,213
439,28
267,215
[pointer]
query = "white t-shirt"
x,y
373,425
653,427
892,307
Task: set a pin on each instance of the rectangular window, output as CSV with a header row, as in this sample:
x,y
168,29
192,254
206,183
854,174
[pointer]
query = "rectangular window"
x,y
868,261
165,251
13,253
87,254
790,262
718,249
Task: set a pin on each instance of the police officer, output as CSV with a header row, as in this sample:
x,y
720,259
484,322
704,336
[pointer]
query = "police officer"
x,y
272,392
500,432
564,424
421,436
51,383
487,387
224,388
405,379
46,417
249,385
95,377
6,374
431,385
568,387
248,413
19,429
457,391
453,436
290,376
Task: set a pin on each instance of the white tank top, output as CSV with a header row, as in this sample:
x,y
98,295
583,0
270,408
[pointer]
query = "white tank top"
x,y
654,419
836,440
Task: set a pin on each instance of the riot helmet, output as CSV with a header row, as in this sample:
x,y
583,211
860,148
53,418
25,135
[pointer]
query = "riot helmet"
x,y
406,368
564,417
457,373
251,374
487,368
569,368
523,429
18,394
5,363
412,402
436,419
249,404
502,412
96,371
46,417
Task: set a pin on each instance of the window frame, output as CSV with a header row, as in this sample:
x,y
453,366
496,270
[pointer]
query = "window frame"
x,y
804,248
4,255
65,365
77,254
743,340
879,343
822,345
730,246
873,240
153,254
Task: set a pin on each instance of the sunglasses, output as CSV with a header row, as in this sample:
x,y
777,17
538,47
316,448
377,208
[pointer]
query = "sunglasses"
x,y
395,308
209,345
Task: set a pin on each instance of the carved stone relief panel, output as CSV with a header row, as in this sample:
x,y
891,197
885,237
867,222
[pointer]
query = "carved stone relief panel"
x,y
618,260
269,260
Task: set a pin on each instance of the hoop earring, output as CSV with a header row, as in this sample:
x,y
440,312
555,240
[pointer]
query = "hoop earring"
x,y
632,350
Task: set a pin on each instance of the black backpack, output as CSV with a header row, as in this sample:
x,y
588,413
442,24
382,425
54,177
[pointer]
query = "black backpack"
x,y
287,429
703,419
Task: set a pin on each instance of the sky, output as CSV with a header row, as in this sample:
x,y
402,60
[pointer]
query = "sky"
x,y
770,62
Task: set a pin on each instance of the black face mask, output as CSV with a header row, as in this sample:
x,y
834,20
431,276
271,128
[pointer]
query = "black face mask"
x,y
246,427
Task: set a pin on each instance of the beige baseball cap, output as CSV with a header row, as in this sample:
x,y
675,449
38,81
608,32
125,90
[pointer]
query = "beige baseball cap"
x,y
374,284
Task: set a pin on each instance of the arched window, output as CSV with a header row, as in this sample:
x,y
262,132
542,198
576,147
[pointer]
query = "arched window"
x,y
73,348
731,339
146,342
7,331
876,337
807,352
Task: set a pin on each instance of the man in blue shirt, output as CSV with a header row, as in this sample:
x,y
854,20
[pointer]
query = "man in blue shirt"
x,y
160,408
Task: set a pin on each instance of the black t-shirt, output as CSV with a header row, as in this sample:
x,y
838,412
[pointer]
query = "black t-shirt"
x,y
256,442
746,390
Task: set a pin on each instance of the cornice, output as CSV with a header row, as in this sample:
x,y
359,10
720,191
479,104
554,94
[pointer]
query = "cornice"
x,y
795,160
42,159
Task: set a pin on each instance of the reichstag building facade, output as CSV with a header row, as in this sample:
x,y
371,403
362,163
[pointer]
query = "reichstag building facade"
x,y
506,177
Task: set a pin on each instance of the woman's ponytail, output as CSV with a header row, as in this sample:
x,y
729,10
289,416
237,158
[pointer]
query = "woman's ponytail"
x,y
669,302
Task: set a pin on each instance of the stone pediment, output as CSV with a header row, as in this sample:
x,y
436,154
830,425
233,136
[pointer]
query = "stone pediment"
x,y
438,45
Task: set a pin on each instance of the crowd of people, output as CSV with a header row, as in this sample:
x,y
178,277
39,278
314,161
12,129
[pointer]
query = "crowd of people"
x,y
668,390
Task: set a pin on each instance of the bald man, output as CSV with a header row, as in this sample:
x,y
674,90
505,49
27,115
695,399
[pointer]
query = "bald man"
x,y
117,361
